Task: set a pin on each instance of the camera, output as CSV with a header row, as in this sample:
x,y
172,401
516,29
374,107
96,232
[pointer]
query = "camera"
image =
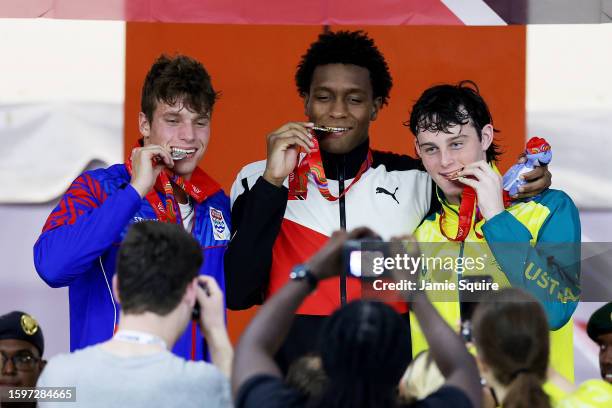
x,y
359,258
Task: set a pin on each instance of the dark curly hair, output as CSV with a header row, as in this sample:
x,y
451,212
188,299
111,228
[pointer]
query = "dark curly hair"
x,y
171,79
444,106
365,349
345,47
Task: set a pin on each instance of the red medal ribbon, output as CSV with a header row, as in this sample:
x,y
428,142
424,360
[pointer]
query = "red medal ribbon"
x,y
313,163
466,210
200,187
469,201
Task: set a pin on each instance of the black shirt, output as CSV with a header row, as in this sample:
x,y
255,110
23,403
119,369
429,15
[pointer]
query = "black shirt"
x,y
266,391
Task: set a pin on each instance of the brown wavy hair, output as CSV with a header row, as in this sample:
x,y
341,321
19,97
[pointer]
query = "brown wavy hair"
x,y
512,338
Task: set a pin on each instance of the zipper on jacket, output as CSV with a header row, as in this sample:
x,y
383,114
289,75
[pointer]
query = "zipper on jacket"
x,y
341,205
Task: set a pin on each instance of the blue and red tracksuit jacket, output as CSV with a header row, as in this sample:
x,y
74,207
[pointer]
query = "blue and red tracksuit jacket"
x,y
80,240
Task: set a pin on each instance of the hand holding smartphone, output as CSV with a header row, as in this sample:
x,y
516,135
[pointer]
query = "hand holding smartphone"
x,y
209,310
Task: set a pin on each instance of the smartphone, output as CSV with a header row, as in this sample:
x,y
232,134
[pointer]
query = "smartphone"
x,y
195,313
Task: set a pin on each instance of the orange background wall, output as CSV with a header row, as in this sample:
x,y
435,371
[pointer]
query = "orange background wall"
x,y
253,67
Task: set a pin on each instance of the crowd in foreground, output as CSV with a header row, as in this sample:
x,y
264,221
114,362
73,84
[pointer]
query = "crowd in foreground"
x,y
363,359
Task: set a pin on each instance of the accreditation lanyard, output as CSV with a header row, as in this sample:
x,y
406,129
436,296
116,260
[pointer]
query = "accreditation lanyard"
x,y
312,163
138,337
167,212
469,202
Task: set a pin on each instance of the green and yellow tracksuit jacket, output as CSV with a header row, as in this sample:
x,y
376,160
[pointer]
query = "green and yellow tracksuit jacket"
x,y
534,245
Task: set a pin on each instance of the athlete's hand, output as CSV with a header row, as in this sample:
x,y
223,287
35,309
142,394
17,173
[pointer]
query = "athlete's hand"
x,y
488,186
536,181
147,163
283,149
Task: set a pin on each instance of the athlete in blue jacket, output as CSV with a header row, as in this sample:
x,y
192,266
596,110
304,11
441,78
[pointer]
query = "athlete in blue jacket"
x,y
161,181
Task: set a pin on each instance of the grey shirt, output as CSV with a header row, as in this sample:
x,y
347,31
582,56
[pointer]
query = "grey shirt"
x,y
155,380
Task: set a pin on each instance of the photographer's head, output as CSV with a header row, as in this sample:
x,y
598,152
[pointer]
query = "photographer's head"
x,y
157,263
365,349
515,357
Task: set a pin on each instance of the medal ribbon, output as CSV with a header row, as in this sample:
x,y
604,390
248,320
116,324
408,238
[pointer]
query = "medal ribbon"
x,y
167,212
312,163
469,200
466,210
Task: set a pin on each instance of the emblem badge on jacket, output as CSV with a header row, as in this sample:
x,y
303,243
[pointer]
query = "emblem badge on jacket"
x,y
220,230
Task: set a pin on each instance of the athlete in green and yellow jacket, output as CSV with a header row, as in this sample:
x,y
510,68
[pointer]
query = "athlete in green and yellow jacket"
x,y
534,245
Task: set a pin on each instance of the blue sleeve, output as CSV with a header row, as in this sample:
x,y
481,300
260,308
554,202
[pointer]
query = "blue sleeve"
x,y
550,270
214,250
82,227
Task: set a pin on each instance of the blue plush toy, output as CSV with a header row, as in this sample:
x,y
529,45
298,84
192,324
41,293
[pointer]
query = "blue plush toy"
x,y
538,152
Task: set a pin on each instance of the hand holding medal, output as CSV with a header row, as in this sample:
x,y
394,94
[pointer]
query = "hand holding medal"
x,y
482,193
488,187
284,146
146,164
312,163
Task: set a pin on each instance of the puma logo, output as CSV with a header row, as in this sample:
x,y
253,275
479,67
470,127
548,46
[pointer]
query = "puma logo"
x,y
384,191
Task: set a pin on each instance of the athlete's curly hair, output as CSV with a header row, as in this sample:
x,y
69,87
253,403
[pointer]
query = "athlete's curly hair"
x,y
444,106
171,79
345,47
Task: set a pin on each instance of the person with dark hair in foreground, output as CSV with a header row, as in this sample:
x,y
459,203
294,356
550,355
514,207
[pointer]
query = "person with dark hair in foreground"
x,y
158,285
366,347
510,334
161,181
512,343
283,213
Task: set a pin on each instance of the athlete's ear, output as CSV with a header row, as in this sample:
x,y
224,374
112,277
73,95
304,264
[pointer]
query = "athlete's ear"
x,y
306,102
377,105
486,137
144,126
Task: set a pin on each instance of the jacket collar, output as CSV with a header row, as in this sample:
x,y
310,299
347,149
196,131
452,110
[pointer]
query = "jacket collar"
x,y
347,164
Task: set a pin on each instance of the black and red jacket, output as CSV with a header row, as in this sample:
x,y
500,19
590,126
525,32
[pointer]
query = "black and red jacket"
x,y
272,234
